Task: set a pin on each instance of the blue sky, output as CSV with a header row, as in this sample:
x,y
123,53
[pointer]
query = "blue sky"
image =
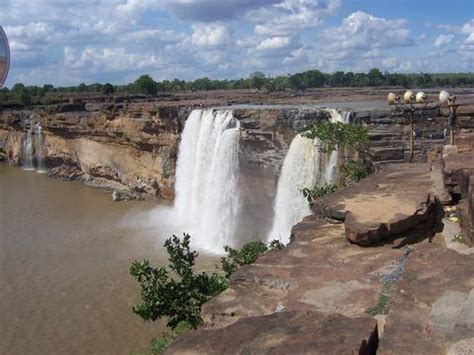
x,y
66,42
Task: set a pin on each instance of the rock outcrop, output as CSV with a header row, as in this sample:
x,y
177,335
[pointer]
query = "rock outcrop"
x,y
397,201
419,295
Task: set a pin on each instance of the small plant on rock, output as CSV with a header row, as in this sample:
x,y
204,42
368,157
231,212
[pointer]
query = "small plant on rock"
x,y
247,255
179,294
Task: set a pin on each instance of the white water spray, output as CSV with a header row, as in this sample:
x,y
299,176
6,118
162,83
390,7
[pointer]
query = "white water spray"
x,y
303,166
40,166
207,198
28,163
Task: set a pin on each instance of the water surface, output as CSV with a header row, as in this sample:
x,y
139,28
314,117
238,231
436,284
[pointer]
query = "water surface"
x,y
65,250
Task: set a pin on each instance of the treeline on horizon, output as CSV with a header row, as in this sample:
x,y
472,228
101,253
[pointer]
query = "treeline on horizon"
x,y
145,85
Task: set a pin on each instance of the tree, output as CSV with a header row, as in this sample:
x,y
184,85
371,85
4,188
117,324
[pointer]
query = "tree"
x,y
257,79
350,140
21,94
108,89
82,87
375,77
177,298
145,85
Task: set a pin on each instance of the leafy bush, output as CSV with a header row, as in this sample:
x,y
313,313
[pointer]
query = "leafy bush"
x,y
177,298
317,191
247,255
338,135
355,170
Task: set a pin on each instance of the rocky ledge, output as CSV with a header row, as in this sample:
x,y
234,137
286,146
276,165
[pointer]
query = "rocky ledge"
x,y
406,293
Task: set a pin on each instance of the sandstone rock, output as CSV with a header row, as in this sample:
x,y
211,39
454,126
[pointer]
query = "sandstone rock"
x,y
284,333
385,206
432,304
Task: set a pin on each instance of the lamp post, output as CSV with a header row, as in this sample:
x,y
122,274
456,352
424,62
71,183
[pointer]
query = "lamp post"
x,y
445,99
408,105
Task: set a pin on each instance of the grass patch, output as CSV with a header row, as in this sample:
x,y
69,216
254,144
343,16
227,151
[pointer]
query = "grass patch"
x,y
158,345
383,304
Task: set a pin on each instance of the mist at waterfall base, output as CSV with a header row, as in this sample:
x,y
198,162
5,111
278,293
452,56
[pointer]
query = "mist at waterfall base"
x,y
207,201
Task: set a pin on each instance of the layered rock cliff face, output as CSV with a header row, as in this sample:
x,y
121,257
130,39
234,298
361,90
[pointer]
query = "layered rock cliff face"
x,y
131,149
131,146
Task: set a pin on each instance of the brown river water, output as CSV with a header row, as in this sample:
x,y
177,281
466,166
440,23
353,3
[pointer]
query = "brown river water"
x,y
65,250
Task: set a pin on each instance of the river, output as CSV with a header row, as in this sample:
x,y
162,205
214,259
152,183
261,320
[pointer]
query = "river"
x,y
65,250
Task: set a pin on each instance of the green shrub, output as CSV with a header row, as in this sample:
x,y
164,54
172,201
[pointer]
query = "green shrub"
x,y
318,191
178,298
338,135
355,170
247,255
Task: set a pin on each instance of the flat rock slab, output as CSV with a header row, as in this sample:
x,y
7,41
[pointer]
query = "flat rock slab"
x,y
319,271
385,206
432,306
284,333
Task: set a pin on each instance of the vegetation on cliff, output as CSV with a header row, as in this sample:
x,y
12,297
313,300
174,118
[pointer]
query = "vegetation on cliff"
x,y
177,298
178,293
351,141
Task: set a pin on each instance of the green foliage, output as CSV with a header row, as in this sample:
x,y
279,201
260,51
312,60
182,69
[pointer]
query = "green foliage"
x,y
383,303
249,253
22,94
299,81
178,298
107,89
275,245
145,85
338,135
159,345
355,170
258,79
318,191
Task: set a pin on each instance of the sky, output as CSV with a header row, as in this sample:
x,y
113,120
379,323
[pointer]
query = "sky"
x,y
66,42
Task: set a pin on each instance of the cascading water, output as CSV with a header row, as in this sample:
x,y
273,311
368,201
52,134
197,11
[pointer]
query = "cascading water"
x,y
299,171
28,163
33,155
207,195
40,166
303,166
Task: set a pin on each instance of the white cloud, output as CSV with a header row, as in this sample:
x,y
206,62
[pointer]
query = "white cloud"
x,y
292,15
210,35
443,40
274,43
361,31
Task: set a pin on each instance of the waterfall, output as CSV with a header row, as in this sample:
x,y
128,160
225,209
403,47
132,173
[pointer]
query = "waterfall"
x,y
207,197
33,154
28,149
303,166
41,168
299,171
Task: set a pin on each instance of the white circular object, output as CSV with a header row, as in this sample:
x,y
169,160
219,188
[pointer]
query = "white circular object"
x,y
443,97
409,96
4,57
421,97
391,98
